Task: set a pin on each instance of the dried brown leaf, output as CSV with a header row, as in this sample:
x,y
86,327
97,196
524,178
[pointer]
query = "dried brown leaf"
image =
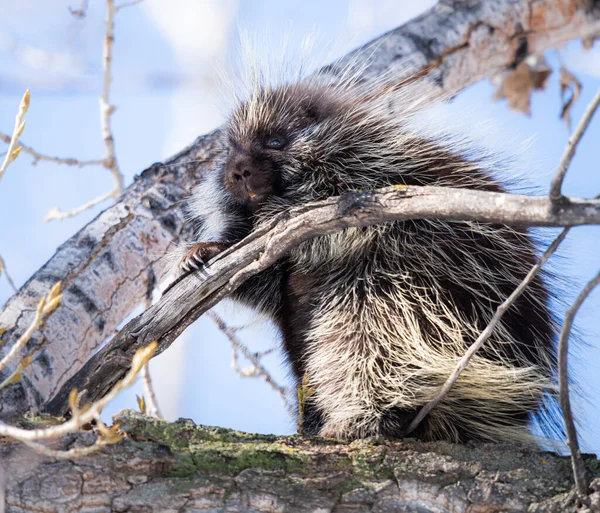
x,y
568,83
517,86
588,43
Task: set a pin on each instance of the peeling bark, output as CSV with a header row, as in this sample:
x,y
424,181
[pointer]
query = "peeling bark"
x,y
105,266
180,467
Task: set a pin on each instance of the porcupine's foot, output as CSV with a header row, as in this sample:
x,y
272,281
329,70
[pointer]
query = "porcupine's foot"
x,y
199,254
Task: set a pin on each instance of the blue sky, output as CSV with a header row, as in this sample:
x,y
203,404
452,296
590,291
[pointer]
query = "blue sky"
x,y
165,56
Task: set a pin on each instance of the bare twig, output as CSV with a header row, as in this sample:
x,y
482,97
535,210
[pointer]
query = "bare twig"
x,y
187,299
37,157
150,397
13,151
128,4
86,415
4,270
565,161
106,109
487,332
106,436
55,213
45,307
258,368
581,483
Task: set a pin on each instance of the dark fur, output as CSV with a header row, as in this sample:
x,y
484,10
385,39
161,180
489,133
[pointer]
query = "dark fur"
x,y
260,181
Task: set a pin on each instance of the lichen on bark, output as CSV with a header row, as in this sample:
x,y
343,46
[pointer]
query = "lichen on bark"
x,y
181,467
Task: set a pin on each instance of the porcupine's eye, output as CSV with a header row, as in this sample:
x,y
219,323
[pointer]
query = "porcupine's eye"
x,y
275,142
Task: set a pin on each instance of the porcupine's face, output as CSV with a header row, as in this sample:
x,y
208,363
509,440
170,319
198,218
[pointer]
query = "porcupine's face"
x,y
263,136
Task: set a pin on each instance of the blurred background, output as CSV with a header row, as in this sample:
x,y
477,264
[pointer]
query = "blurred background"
x,y
165,56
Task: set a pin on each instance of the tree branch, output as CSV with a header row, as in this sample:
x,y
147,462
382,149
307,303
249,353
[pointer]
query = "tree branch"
x,y
166,467
131,236
194,294
37,157
487,332
563,166
579,472
557,181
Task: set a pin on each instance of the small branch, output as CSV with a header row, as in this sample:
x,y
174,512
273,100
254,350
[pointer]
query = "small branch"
x,y
37,157
259,369
45,307
4,270
55,213
128,4
80,417
565,161
151,401
106,109
194,294
13,151
486,333
581,483
86,415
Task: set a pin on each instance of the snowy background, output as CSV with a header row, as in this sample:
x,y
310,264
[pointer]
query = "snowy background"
x,y
165,56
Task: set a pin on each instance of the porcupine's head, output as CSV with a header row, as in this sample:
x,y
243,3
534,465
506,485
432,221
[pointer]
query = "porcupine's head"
x,y
310,140
275,138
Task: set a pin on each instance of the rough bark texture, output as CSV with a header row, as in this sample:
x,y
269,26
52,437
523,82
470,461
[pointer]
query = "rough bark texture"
x,y
194,294
106,267
183,468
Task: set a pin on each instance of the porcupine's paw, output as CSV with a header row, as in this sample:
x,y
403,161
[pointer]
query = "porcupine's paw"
x,y
198,255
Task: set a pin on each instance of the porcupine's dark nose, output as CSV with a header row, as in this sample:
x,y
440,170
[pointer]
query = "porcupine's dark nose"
x,y
241,174
240,168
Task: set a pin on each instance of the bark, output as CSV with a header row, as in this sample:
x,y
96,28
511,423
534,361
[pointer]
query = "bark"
x,y
179,467
107,266
194,294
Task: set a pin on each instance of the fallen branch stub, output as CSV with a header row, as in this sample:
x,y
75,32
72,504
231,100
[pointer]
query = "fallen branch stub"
x,y
194,294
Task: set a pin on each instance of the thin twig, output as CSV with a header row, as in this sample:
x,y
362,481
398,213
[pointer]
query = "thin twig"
x,y
45,307
487,332
259,369
55,213
13,151
90,413
127,4
106,109
37,157
565,161
4,270
579,474
151,401
187,298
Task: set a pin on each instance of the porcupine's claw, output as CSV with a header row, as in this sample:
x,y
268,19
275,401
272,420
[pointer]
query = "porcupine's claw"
x,y
199,254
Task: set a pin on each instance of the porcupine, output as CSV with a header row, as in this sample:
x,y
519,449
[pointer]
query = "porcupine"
x,y
377,317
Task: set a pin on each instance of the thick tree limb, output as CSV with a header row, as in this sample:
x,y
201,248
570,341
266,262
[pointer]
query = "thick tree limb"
x,y
104,270
193,295
183,468
103,267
